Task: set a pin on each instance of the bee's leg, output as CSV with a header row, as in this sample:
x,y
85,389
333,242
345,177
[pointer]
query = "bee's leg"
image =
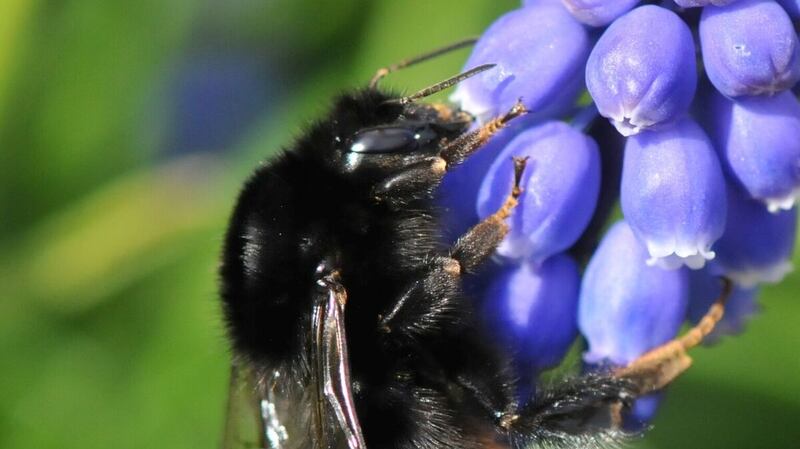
x,y
458,150
482,240
425,304
430,300
592,405
419,180
415,182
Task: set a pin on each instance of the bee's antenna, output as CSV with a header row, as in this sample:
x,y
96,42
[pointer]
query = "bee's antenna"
x,y
382,72
442,85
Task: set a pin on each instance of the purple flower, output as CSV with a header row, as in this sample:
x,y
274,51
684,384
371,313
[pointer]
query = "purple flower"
x,y
598,13
673,194
704,289
627,307
758,140
539,51
643,411
757,245
749,48
458,193
561,186
700,3
533,310
642,71
792,7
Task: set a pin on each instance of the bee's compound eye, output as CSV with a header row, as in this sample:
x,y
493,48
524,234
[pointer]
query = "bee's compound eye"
x,y
385,140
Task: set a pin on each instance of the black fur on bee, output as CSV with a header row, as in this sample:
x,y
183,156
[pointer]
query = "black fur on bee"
x,y
348,309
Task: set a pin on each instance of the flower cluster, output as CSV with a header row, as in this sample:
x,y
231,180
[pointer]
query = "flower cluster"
x,y
699,95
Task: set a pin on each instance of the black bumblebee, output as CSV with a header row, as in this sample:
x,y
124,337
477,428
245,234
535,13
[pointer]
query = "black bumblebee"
x,y
347,315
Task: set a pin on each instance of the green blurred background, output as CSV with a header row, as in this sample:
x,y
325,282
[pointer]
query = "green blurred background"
x,y
125,131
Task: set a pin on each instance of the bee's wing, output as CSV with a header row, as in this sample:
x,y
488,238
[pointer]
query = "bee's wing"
x,y
334,413
244,426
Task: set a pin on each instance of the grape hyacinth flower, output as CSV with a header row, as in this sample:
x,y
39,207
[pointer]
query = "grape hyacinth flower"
x,y
696,206
642,71
758,139
792,7
598,12
701,3
539,51
705,288
536,309
627,307
673,194
562,183
757,245
749,48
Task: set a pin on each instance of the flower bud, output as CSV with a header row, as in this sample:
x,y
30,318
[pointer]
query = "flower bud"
x,y
749,47
758,140
560,188
627,307
598,13
540,51
757,245
673,194
533,310
704,289
642,71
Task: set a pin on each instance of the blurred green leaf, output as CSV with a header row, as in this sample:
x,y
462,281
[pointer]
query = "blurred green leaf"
x,y
113,237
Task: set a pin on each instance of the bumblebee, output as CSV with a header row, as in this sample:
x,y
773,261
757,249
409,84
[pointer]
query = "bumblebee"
x,y
346,312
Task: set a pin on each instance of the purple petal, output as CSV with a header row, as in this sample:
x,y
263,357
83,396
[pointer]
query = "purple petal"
x,y
561,185
749,48
598,13
758,139
533,310
642,71
626,307
540,51
673,194
757,245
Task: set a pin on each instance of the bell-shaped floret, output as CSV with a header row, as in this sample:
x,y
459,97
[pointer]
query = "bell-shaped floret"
x,y
626,306
540,51
533,310
758,140
673,194
560,189
757,245
598,13
642,72
750,47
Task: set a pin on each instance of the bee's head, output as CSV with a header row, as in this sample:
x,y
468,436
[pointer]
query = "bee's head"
x,y
373,129
407,128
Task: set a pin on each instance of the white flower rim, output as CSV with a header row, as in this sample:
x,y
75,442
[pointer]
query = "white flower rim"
x,y
672,255
751,277
780,203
